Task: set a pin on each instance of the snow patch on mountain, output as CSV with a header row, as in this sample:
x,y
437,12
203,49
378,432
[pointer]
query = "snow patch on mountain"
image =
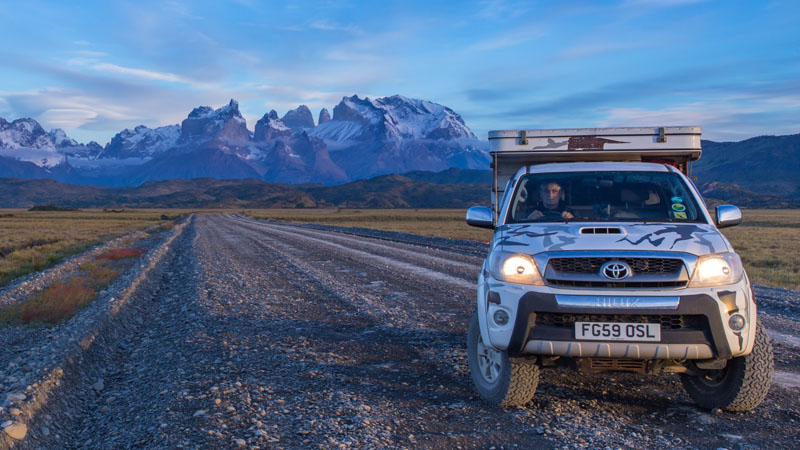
x,y
142,142
338,130
24,133
60,138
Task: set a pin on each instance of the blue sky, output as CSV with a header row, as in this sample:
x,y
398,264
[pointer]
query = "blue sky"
x,y
94,68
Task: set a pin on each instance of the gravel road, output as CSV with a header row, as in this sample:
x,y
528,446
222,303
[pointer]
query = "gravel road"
x,y
268,335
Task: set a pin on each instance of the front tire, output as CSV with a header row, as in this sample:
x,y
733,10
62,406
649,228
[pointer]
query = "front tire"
x,y
741,385
498,380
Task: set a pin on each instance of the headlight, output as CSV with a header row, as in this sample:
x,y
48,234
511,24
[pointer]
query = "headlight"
x,y
514,267
717,270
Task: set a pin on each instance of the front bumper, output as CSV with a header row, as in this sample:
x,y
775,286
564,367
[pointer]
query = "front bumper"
x,y
695,327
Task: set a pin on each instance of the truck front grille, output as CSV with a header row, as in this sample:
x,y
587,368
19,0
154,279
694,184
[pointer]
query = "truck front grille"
x,y
617,284
648,266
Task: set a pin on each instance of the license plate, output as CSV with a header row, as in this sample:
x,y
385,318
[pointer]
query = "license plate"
x,y
615,331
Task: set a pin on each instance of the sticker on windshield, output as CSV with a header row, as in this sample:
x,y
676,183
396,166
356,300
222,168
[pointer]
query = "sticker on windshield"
x,y
679,215
677,199
678,207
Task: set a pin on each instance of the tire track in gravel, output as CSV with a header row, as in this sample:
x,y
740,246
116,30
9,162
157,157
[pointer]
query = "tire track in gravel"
x,y
460,265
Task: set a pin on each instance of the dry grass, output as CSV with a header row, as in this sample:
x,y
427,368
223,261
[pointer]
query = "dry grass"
x,y
62,300
769,243
55,303
32,241
120,253
767,240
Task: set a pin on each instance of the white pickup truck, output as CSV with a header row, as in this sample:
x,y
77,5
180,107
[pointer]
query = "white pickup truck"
x,y
604,258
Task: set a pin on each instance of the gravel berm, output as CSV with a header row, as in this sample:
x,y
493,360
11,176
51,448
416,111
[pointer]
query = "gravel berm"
x,y
267,335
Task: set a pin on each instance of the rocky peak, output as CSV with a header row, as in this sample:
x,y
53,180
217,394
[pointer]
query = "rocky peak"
x,y
60,138
24,133
324,116
142,142
299,119
224,123
271,127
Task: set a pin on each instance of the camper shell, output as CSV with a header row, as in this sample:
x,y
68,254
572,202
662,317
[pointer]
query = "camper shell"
x,y
629,271
512,149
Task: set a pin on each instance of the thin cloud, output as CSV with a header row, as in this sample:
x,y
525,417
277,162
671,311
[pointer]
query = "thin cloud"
x,y
517,36
88,53
140,73
325,25
586,50
659,3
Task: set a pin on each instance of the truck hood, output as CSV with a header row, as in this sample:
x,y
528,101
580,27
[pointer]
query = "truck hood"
x,y
697,239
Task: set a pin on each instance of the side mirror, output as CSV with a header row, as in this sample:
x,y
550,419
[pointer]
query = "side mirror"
x,y
728,216
480,216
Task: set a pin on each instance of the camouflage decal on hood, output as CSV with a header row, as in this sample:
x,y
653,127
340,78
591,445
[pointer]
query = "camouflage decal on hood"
x,y
534,238
683,232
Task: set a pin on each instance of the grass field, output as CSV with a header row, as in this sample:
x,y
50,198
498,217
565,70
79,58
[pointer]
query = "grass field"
x,y
767,240
32,241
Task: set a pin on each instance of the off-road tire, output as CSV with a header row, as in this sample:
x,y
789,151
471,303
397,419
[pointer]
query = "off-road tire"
x,y
516,382
743,383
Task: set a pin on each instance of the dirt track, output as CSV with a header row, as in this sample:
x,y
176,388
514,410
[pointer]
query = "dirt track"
x,y
263,335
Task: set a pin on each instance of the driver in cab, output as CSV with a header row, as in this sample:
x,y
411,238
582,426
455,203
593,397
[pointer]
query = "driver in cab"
x,y
550,203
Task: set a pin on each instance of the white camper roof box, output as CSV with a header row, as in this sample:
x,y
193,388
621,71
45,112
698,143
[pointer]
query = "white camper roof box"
x,y
513,149
678,144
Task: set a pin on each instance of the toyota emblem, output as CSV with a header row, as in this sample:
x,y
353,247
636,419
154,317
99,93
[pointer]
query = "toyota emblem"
x,y
615,270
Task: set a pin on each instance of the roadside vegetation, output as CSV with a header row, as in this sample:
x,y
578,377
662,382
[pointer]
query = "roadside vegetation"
x,y
768,239
31,241
61,300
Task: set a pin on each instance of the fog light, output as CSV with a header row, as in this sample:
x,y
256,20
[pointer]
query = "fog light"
x,y
500,317
736,322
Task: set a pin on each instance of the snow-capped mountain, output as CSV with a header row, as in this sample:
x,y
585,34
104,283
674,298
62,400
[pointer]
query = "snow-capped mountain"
x,y
142,142
60,139
24,133
26,140
363,138
394,117
398,134
225,123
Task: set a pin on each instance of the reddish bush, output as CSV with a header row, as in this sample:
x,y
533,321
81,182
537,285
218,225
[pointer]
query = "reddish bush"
x,y
57,302
121,253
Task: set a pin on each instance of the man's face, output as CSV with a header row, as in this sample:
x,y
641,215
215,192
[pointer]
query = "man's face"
x,y
550,194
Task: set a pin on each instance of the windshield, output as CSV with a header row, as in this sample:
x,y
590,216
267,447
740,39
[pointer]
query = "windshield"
x,y
603,196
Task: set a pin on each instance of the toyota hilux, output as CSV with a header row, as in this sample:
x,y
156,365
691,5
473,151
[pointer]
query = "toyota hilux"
x,y
605,258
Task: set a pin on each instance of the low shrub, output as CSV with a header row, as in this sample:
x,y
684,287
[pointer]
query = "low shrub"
x,y
54,304
121,253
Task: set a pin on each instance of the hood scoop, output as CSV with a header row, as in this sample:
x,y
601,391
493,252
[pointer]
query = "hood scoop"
x,y
601,230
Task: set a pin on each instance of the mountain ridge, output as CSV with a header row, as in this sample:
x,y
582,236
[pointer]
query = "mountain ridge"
x,y
393,134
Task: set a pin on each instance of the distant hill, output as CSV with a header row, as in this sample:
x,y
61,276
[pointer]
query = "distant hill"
x,y
397,191
452,176
387,191
764,165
